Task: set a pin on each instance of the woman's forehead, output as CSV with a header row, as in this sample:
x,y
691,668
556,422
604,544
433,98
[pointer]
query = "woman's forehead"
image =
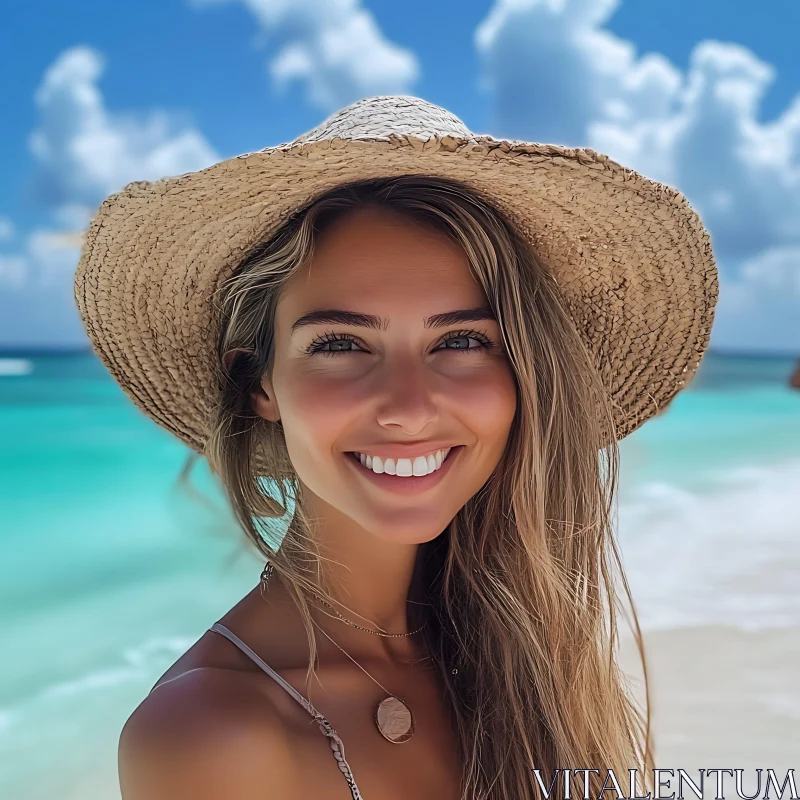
x,y
383,275
379,270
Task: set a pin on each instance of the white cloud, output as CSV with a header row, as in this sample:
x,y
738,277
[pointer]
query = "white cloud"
x,y
54,254
334,48
83,152
776,268
37,308
73,216
765,294
48,256
556,75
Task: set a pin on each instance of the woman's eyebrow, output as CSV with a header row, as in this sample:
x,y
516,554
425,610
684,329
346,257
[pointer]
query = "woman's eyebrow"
x,y
338,316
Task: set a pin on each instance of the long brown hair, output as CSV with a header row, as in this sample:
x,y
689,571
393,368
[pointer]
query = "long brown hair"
x,y
518,590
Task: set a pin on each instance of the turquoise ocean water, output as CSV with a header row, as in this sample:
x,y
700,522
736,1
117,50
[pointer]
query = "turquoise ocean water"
x,y
108,573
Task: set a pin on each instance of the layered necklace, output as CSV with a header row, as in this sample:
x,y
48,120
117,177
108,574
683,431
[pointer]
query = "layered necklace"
x,y
393,717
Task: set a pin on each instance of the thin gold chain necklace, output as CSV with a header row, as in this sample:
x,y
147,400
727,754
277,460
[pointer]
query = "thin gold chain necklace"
x,y
368,630
267,573
393,717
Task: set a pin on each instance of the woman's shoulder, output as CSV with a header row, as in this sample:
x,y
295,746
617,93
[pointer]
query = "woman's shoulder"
x,y
204,734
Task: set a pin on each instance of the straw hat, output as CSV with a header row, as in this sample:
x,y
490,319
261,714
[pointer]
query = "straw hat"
x,y
633,259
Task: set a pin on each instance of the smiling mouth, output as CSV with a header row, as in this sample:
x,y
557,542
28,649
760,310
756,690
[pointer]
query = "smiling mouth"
x,y
412,485
450,452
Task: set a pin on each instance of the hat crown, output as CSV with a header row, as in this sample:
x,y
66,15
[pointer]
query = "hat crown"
x,y
381,116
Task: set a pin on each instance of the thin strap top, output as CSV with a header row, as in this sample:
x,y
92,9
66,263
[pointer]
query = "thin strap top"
x,y
337,745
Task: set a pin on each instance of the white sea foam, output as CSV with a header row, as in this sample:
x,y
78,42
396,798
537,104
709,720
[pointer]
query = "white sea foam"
x,y
730,556
15,366
77,722
139,665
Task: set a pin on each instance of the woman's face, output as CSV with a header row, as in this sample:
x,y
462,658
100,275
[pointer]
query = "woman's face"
x,y
403,390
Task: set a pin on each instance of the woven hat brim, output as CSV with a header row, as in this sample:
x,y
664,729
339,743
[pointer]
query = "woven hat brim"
x,y
632,257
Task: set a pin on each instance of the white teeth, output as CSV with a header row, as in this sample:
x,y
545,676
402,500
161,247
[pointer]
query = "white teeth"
x,y
405,467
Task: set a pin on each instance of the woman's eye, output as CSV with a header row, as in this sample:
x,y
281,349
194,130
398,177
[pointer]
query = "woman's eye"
x,y
335,344
463,337
484,343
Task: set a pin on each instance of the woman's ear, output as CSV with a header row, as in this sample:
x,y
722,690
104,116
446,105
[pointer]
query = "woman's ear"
x,y
262,399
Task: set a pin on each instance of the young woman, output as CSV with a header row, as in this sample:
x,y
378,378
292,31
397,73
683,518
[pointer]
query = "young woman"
x,y
422,346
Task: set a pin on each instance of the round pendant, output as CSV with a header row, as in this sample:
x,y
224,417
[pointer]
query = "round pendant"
x,y
394,720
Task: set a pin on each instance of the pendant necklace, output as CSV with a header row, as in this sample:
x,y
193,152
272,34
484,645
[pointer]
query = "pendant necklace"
x,y
393,717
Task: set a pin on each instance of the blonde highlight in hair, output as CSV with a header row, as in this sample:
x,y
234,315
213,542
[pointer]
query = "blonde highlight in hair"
x,y
519,588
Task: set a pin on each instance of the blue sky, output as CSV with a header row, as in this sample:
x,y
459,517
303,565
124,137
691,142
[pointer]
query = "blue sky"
x,y
701,94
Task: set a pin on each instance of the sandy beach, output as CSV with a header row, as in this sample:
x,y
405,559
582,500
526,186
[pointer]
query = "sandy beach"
x,y
722,697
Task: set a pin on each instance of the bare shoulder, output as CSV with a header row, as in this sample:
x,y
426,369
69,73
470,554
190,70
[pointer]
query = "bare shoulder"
x,y
205,735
